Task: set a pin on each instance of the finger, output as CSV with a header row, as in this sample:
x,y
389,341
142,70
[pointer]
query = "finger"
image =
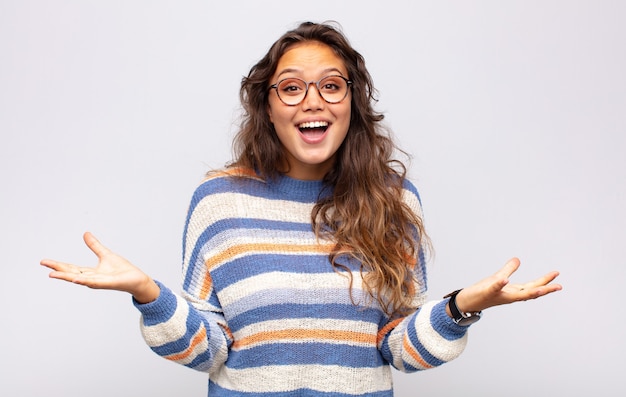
x,y
541,281
546,286
537,292
508,269
531,291
94,245
70,276
60,266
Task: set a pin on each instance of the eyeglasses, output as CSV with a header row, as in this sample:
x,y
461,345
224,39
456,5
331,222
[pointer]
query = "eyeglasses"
x,y
292,90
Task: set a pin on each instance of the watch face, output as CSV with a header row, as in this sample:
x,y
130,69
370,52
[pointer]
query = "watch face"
x,y
470,319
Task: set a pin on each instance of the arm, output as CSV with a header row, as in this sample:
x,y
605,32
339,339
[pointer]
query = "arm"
x,y
175,329
171,326
191,330
429,337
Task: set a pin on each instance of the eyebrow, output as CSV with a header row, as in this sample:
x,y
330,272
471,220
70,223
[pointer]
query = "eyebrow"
x,y
293,70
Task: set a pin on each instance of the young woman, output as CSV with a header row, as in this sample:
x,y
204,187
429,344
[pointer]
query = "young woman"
x,y
303,260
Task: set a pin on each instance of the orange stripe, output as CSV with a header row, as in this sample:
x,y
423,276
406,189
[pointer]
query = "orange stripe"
x,y
233,171
413,353
245,248
346,336
207,284
194,342
226,329
252,247
388,327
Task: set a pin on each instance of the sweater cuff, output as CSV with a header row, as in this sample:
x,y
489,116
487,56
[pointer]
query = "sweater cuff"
x,y
444,323
162,307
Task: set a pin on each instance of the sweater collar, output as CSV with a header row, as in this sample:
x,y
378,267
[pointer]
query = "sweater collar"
x,y
297,189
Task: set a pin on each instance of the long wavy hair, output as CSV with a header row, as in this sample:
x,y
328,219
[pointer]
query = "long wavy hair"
x,y
365,215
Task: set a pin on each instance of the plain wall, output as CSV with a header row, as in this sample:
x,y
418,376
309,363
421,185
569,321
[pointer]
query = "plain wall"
x,y
514,113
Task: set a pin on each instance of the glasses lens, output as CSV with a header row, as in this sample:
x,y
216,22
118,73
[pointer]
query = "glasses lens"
x,y
291,91
333,88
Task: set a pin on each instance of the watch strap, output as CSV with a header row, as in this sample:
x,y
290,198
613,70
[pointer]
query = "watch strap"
x,y
454,310
458,316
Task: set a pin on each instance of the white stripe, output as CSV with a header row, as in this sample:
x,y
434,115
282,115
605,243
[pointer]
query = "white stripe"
x,y
337,296
436,344
411,200
282,378
297,281
197,350
396,339
172,329
238,205
261,236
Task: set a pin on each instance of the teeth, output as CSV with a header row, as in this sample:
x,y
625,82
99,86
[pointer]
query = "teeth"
x,y
314,124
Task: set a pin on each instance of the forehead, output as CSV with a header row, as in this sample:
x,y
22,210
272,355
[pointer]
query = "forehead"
x,y
310,58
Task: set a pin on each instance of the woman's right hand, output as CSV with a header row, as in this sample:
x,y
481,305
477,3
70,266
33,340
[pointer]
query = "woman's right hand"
x,y
112,272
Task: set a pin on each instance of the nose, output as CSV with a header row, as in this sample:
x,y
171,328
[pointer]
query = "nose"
x,y
313,100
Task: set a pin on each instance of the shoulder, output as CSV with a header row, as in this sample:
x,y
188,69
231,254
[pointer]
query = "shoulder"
x,y
411,196
409,187
227,180
233,172
221,185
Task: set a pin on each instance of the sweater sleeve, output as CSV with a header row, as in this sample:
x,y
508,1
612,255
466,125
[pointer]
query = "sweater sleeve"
x,y
190,328
176,330
425,339
428,337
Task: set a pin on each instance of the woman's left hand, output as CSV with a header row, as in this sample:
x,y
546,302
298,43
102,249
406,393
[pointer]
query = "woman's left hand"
x,y
497,290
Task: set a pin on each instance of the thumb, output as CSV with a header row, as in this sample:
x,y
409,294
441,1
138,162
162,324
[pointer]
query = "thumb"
x,y
508,269
94,245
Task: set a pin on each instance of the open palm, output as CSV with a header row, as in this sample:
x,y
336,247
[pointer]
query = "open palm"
x,y
112,272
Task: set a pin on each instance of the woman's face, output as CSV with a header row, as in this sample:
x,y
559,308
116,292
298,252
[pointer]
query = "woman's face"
x,y
312,131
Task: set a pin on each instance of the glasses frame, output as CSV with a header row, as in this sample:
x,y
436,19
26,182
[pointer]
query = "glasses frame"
x,y
308,84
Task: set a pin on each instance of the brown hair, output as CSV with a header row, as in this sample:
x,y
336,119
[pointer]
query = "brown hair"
x,y
365,214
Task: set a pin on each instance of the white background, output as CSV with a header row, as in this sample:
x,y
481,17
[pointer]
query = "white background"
x,y
514,112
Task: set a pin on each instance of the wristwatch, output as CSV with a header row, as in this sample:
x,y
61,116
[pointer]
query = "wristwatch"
x,y
458,316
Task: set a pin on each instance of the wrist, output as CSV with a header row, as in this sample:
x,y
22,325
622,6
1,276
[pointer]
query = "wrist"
x,y
148,292
458,315
461,301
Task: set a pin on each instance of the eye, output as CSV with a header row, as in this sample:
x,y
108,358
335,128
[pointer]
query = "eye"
x,y
291,87
332,84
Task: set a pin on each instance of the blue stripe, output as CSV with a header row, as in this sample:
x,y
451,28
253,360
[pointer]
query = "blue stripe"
x,y
443,324
261,263
304,311
232,226
202,362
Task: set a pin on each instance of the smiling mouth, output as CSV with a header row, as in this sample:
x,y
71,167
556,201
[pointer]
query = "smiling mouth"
x,y
313,127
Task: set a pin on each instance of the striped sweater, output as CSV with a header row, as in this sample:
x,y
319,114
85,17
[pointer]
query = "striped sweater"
x,y
265,314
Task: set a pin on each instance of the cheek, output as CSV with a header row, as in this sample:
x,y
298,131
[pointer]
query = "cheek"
x,y
275,111
347,114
